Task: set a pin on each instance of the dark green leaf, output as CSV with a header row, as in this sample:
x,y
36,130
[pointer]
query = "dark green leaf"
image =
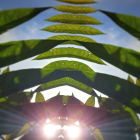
x,y
72,39
130,79
126,59
119,89
90,101
14,17
39,97
72,29
75,9
6,70
116,107
74,19
16,98
70,52
16,51
127,22
78,1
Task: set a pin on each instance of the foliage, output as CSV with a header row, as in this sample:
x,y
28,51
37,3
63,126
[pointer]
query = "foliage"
x,y
115,118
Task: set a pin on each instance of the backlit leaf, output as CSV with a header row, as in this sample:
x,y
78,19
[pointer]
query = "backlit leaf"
x,y
78,1
16,51
75,9
130,79
72,29
137,82
74,19
72,39
39,97
14,17
127,22
126,59
6,70
117,88
70,52
90,101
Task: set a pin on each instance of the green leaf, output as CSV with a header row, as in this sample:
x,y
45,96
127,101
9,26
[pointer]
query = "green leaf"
x,y
14,17
75,9
16,98
66,81
90,101
16,51
137,82
25,129
39,97
72,29
119,89
70,52
72,39
96,133
6,70
116,107
130,79
74,19
78,1
126,59
127,22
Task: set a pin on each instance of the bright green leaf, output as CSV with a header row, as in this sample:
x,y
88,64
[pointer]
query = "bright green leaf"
x,y
128,22
74,19
72,39
16,51
14,17
126,59
137,82
130,79
6,70
78,1
39,97
70,52
72,29
75,9
90,101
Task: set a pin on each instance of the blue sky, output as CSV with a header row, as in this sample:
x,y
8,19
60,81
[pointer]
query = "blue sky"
x,y
114,34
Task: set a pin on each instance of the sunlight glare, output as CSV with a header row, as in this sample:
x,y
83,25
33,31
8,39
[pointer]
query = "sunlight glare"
x,y
49,130
73,131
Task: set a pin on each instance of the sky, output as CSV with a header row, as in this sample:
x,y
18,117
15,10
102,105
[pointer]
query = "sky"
x,y
113,35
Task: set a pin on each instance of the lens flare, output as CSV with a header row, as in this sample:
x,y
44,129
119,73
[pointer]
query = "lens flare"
x,y
49,130
73,131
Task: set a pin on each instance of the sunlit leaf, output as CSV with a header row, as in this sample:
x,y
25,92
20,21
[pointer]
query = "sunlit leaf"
x,y
78,1
14,17
74,19
16,51
70,52
72,29
90,101
75,9
96,133
130,79
126,59
39,97
72,39
127,22
137,82
6,70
